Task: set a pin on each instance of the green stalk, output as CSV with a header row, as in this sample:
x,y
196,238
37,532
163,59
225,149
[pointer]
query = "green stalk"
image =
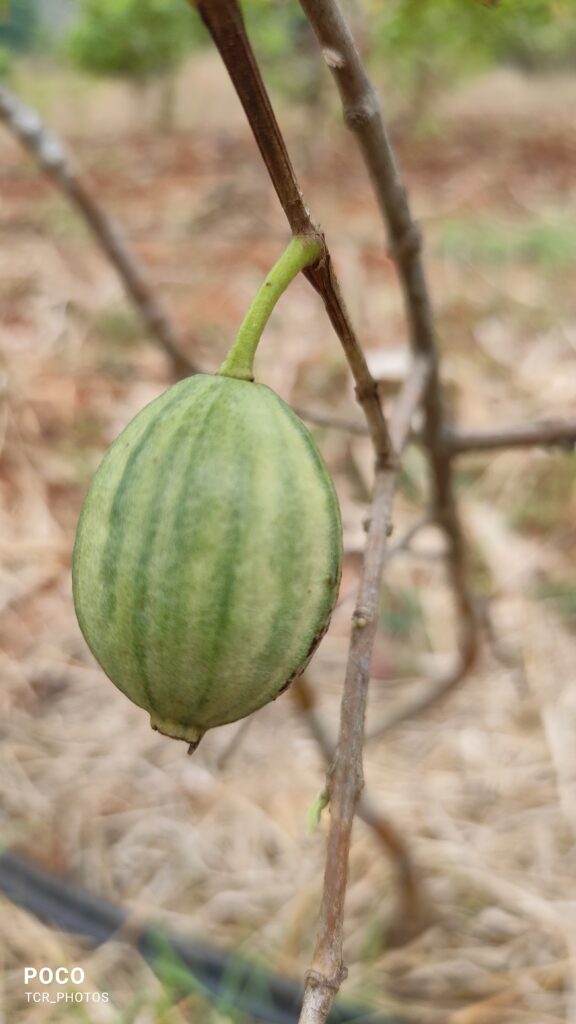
x,y
302,251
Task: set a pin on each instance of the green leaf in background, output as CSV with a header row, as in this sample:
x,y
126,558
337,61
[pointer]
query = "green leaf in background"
x,y
134,38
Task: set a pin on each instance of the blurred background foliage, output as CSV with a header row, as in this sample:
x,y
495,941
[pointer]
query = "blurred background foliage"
x,y
133,38
420,44
19,24
450,37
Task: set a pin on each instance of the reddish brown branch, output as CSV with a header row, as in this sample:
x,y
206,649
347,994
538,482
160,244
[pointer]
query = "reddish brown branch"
x,y
223,20
26,125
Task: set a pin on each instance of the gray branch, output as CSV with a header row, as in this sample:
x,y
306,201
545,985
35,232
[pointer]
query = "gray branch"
x,y
459,441
345,777
411,909
363,116
26,125
540,434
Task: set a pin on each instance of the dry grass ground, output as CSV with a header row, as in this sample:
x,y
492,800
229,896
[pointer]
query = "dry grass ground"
x,y
484,788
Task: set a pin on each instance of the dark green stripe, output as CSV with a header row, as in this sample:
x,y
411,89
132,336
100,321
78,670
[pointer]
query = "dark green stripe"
x,y
142,576
287,471
228,564
110,565
324,607
329,490
101,578
178,624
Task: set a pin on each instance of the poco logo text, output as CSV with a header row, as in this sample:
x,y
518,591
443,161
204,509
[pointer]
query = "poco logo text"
x,y
61,975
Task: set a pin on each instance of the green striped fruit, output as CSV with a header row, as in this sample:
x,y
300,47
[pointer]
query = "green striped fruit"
x,y
208,554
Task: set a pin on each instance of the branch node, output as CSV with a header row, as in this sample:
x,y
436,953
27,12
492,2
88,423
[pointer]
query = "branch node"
x,y
318,980
367,391
360,114
387,459
315,235
407,246
361,618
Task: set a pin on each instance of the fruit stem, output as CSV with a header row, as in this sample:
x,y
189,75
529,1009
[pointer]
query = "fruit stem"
x,y
302,251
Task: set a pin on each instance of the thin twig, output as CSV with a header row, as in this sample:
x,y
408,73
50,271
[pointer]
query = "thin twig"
x,y
223,20
50,153
363,115
459,441
544,434
345,777
413,388
332,422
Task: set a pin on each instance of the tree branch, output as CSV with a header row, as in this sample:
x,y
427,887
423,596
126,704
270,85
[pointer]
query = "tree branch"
x,y
459,441
345,777
545,434
223,20
363,115
332,422
26,125
410,911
